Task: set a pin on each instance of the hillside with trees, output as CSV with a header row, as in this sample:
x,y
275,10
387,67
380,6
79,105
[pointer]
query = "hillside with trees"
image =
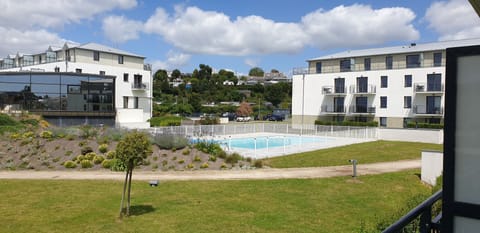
x,y
203,91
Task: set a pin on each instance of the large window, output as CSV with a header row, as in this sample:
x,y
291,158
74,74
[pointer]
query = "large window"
x,y
434,82
383,81
389,62
367,64
383,102
362,85
339,85
51,57
318,67
345,65
57,92
413,61
408,80
437,59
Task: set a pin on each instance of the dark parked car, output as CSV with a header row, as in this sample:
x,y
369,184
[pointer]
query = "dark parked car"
x,y
274,117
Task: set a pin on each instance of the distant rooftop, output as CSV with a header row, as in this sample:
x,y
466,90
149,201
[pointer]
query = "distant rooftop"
x,y
442,45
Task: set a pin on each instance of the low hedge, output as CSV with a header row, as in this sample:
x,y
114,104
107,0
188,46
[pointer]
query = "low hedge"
x,y
347,123
165,121
424,125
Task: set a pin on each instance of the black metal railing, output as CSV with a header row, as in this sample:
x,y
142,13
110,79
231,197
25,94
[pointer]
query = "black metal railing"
x,y
423,213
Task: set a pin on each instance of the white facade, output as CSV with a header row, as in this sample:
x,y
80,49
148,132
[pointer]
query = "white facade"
x,y
133,82
348,85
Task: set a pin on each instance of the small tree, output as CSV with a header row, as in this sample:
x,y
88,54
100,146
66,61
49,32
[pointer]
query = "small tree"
x,y
244,109
131,151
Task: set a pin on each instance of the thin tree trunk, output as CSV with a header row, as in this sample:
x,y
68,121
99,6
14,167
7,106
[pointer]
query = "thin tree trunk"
x,y
129,188
123,194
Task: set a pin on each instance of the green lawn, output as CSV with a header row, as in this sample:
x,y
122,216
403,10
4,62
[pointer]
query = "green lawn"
x,y
290,205
369,152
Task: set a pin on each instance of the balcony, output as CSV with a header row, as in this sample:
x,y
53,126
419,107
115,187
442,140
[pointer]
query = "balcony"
x,y
333,110
422,110
361,110
140,86
420,88
330,90
363,89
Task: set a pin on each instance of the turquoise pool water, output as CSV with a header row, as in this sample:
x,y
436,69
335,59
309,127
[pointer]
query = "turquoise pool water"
x,y
270,142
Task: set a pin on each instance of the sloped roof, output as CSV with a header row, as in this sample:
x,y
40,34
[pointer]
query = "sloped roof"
x,y
103,48
442,45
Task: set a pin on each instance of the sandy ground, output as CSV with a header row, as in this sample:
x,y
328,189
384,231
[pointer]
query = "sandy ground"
x,y
267,173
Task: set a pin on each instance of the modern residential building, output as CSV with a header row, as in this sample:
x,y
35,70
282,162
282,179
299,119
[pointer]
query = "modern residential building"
x,y
391,85
79,84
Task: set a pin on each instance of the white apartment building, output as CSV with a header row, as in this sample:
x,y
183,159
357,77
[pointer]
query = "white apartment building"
x,y
391,85
76,74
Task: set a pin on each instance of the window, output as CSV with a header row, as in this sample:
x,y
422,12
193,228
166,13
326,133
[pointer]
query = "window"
x,y
125,102
383,81
120,59
318,67
96,55
51,57
413,61
339,85
338,104
408,80
407,102
78,70
383,121
437,59
434,82
67,55
135,102
125,77
137,81
362,85
388,62
345,65
102,72
367,63
383,102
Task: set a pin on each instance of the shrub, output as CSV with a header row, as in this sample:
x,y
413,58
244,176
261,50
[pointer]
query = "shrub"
x,y
197,158
168,141
115,134
107,163
258,164
155,158
347,123
186,152
31,121
223,166
424,125
146,162
233,158
69,164
164,163
155,166
181,161
46,134
90,155
98,159
70,137
103,148
68,153
7,120
86,163
103,140
212,158
110,154
86,149
174,158
87,131
79,158
204,165
209,147
190,166
222,154
28,134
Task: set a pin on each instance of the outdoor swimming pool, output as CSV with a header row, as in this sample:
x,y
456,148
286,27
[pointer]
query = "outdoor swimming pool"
x,y
264,142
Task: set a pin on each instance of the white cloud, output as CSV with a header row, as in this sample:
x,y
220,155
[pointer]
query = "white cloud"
x,y
29,41
194,30
120,29
359,25
207,32
174,60
453,20
55,13
252,62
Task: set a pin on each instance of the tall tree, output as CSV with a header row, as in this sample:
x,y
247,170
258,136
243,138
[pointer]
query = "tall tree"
x,y
244,109
256,71
131,151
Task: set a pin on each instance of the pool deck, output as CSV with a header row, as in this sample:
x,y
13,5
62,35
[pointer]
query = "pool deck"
x,y
285,150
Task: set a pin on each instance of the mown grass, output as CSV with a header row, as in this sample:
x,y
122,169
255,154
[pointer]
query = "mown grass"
x,y
369,152
290,205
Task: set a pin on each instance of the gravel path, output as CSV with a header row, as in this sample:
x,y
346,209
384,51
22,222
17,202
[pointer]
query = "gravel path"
x,y
268,173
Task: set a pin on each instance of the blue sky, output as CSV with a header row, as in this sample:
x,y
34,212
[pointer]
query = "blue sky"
x,y
234,35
